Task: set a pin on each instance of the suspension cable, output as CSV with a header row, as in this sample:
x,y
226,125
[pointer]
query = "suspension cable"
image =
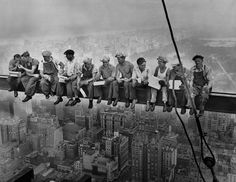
x,y
186,133
208,161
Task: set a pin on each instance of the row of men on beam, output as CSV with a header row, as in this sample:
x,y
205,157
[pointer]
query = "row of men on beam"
x,y
57,78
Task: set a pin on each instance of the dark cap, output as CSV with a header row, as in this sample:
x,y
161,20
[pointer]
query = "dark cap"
x,y
140,60
25,54
197,57
17,56
69,51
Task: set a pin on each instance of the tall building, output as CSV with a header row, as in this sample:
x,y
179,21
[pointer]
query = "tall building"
x,y
71,150
169,154
153,160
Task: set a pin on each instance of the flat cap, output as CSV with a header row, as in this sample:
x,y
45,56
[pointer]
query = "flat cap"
x,y
140,61
120,55
162,59
105,59
25,54
69,51
197,57
87,60
46,53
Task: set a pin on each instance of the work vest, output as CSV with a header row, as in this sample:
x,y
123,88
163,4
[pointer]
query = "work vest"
x,y
49,68
87,73
199,78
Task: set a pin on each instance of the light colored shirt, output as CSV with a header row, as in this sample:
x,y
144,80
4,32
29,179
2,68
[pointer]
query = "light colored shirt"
x,y
137,74
72,67
106,72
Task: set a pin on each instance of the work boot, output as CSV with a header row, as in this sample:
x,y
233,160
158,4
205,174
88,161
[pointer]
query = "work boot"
x,y
109,102
47,96
115,102
74,102
69,102
183,110
15,94
191,112
164,107
133,104
10,90
127,103
27,98
99,100
169,108
59,99
147,106
90,104
152,107
201,113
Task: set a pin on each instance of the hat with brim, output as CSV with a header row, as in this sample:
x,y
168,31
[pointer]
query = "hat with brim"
x,y
69,51
87,60
46,53
120,55
105,59
162,59
25,54
197,57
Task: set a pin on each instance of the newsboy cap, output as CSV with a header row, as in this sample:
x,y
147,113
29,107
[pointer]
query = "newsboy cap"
x,y
69,51
46,53
25,54
197,57
105,59
162,59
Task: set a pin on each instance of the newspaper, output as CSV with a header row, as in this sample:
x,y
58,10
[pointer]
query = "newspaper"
x,y
154,82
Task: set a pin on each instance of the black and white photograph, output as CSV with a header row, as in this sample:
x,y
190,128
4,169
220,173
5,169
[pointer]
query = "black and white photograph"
x,y
117,91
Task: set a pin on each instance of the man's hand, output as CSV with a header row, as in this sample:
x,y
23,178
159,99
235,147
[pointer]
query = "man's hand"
x,y
119,80
20,66
145,82
110,79
126,80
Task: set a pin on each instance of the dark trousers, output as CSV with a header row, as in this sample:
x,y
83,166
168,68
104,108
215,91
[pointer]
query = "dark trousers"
x,y
127,89
49,86
69,88
29,83
107,85
136,85
203,92
89,87
14,82
183,99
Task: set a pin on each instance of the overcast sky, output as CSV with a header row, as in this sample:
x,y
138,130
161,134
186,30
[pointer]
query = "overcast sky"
x,y
45,18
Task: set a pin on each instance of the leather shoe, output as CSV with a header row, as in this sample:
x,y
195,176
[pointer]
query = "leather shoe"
x,y
164,108
109,102
147,107
74,102
127,103
27,98
152,107
99,100
47,96
133,104
15,94
191,111
183,110
115,102
69,102
59,99
90,104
